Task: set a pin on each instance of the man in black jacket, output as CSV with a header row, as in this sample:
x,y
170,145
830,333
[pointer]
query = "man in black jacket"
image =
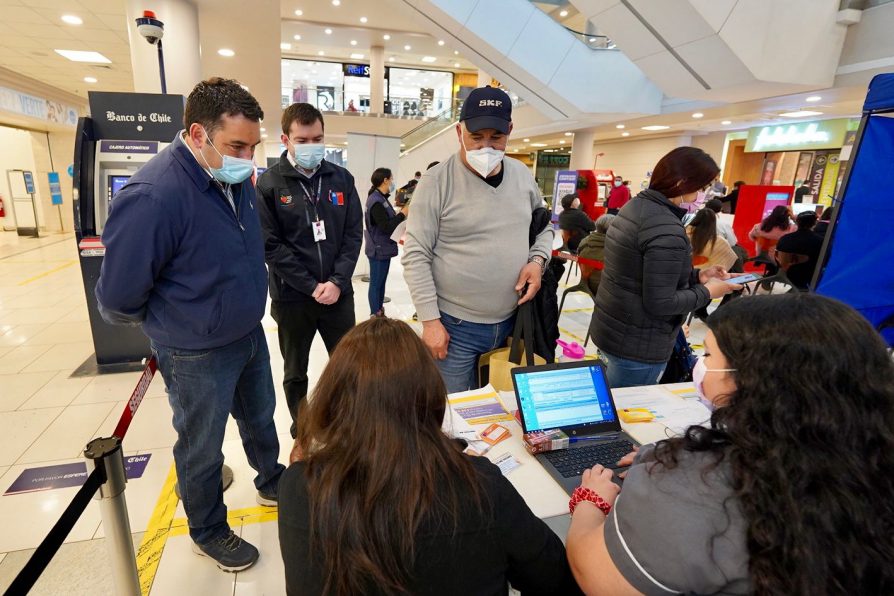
x,y
575,223
313,229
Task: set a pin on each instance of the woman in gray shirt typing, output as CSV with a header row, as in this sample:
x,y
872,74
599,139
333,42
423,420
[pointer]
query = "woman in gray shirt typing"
x,y
790,487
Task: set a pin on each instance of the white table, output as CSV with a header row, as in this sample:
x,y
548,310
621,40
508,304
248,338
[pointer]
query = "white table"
x,y
543,494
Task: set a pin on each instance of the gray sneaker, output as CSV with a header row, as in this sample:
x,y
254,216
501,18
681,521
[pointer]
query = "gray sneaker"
x,y
267,500
230,552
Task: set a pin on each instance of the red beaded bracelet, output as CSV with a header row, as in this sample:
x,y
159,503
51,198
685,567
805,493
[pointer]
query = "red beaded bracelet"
x,y
585,494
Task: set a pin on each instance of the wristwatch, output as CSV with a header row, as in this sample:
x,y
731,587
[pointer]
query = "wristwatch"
x,y
540,261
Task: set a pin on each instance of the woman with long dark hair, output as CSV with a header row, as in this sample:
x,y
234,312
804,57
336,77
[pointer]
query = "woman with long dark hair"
x,y
378,500
788,489
381,221
768,232
648,284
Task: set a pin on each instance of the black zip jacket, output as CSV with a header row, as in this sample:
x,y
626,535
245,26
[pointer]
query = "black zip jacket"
x,y
296,262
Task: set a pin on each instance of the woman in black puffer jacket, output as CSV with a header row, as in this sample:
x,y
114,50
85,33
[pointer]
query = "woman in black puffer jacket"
x,y
648,284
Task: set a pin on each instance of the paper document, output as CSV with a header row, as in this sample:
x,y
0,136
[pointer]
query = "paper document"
x,y
668,406
479,406
398,234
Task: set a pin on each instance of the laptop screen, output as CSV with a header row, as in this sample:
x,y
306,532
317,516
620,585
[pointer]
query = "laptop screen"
x,y
563,396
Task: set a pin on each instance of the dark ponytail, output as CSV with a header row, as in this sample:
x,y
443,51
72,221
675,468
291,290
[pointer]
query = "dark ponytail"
x,y
377,178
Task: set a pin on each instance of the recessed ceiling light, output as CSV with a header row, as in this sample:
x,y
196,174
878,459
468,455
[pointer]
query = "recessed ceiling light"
x,y
625,134
391,59
428,59
263,136
89,79
263,129
327,31
698,115
363,19
725,122
299,12
440,42
456,65
386,37
800,114
226,52
357,56
562,142
656,127
592,40
563,14
321,53
813,98
568,134
297,37
336,2
72,19
353,42
407,48
79,56
538,144
403,144
620,126
526,140
285,46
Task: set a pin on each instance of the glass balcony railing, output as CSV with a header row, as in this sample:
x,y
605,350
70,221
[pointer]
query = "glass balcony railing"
x,y
444,119
565,14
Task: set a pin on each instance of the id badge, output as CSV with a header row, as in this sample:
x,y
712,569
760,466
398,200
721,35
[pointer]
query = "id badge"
x,y
319,230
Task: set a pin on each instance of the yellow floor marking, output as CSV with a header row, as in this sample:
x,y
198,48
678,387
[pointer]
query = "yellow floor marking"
x,y
46,273
573,336
578,309
236,517
157,533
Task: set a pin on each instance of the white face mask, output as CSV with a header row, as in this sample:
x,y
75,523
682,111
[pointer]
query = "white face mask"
x,y
483,160
698,379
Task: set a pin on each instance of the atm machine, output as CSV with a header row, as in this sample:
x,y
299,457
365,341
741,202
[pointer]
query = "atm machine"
x,y
123,132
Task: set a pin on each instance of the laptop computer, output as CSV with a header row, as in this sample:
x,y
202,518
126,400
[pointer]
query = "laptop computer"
x,y
574,397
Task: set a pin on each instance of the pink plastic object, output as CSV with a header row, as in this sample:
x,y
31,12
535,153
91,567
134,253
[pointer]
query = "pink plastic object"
x,y
571,350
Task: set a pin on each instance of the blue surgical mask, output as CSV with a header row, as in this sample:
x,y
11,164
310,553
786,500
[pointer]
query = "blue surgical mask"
x,y
309,155
391,188
233,170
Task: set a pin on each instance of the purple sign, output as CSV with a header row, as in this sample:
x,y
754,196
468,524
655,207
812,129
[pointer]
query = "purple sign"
x,y
67,475
128,146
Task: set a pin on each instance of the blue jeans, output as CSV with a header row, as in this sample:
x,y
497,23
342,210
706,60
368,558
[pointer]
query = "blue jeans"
x,y
204,388
621,372
468,341
378,273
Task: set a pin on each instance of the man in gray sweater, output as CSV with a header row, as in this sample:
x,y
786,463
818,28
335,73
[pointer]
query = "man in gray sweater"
x,y
467,260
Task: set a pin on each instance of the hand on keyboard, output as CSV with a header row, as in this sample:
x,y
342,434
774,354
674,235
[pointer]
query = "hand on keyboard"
x,y
627,461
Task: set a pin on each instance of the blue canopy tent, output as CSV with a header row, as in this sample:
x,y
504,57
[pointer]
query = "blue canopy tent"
x,y
857,259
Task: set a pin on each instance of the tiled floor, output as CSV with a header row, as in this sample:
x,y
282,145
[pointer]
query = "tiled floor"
x,y
46,418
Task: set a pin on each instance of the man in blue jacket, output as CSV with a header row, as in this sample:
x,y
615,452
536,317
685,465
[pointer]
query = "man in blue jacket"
x,y
185,259
313,229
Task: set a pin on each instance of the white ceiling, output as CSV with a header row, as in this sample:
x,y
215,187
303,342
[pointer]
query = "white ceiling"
x,y
31,29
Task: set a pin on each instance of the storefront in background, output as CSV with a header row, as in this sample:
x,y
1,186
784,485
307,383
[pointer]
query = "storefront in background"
x,y
801,153
548,163
344,87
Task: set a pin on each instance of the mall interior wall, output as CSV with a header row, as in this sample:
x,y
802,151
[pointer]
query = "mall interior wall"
x,y
437,148
16,153
633,160
53,152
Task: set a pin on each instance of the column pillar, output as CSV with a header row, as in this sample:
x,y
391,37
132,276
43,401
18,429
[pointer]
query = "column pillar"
x,y
183,67
377,80
484,79
582,150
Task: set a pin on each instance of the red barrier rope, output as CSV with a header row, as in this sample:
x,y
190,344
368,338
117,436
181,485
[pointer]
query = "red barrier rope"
x,y
136,398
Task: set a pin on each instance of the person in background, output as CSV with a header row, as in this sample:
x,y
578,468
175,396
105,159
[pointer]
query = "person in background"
x,y
592,248
648,284
802,190
786,490
798,253
313,228
725,230
822,225
351,106
467,261
405,192
185,260
358,516
732,198
574,223
381,221
617,196
768,232
710,249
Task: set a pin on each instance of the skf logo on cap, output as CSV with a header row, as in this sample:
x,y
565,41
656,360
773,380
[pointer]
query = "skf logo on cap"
x,y
490,102
285,199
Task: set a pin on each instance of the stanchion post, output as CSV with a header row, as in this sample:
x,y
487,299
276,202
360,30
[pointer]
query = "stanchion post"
x,y
106,453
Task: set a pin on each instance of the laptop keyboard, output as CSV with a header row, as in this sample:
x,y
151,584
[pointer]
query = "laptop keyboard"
x,y
573,462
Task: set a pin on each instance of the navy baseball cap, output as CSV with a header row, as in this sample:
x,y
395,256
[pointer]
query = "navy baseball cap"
x,y
487,107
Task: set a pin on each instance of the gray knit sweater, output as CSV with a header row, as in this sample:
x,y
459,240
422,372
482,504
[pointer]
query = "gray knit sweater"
x,y
467,242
